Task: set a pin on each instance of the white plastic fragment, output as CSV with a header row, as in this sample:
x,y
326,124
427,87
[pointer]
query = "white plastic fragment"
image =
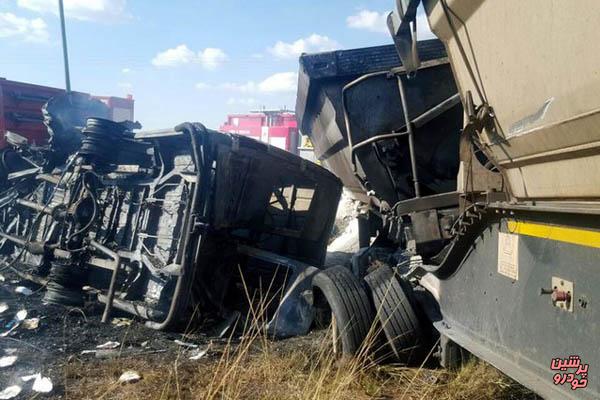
x,y
3,307
25,291
14,324
31,323
28,378
10,351
7,361
42,384
199,354
2,278
108,345
10,392
129,376
186,344
121,322
84,352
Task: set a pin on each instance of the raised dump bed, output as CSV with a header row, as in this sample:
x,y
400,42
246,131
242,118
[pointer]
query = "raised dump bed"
x,y
349,104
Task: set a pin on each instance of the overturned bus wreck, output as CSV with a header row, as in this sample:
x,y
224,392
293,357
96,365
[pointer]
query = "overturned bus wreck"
x,y
171,224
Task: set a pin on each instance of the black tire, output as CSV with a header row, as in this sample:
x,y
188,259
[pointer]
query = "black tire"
x,y
396,313
343,294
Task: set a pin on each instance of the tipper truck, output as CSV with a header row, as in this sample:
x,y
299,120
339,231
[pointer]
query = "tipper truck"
x,y
507,270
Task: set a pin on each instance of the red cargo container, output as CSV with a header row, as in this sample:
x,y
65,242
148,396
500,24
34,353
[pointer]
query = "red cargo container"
x,y
21,109
276,127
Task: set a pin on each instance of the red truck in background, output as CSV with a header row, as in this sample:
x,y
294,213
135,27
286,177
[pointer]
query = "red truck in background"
x,y
21,109
276,127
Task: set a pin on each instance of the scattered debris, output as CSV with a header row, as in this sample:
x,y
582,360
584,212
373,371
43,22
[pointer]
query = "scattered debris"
x,y
199,354
42,384
31,323
129,376
14,324
108,345
144,343
2,278
121,321
7,361
84,352
186,344
3,307
9,351
10,392
28,378
25,291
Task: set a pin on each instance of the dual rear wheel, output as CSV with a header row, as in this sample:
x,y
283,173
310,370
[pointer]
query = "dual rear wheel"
x,y
376,315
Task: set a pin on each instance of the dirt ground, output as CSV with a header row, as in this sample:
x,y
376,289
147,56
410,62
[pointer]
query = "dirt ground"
x,y
62,349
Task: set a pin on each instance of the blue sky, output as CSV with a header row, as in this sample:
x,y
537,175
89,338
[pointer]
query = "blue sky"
x,y
183,60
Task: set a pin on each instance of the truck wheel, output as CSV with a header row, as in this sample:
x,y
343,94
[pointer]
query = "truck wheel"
x,y
339,294
396,314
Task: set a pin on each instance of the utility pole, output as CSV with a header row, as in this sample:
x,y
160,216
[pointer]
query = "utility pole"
x,y
61,11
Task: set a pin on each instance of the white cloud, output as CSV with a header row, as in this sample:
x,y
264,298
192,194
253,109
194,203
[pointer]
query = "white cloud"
x,y
374,21
281,82
30,30
276,83
85,10
202,86
126,70
125,85
368,20
173,57
209,58
311,44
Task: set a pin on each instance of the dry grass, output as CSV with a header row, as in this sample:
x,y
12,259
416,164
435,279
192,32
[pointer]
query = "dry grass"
x,y
301,368
269,373
256,368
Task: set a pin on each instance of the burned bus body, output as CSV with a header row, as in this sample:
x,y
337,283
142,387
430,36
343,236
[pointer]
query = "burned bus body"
x,y
168,224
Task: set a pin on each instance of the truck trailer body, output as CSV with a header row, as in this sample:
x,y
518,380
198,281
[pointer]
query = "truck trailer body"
x,y
517,283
